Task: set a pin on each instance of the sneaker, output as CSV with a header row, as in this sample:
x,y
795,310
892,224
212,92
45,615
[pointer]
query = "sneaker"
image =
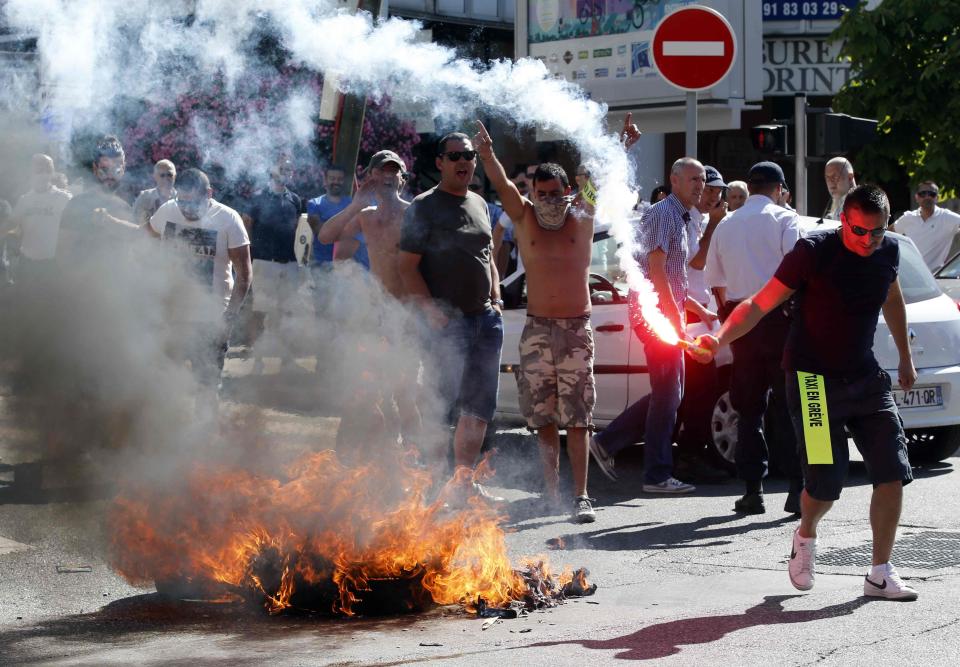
x,y
803,557
884,582
583,510
669,485
750,503
604,460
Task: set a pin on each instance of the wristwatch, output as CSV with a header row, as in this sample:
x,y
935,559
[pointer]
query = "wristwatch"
x,y
497,302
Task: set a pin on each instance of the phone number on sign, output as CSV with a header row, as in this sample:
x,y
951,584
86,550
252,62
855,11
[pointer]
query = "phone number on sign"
x,y
786,10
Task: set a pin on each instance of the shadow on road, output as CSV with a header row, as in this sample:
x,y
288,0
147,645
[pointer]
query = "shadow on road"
x,y
135,619
704,532
666,639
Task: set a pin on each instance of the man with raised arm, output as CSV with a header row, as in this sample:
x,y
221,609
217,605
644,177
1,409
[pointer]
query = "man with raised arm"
x,y
842,279
554,234
380,223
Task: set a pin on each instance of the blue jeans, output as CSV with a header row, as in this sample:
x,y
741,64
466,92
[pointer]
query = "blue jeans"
x,y
467,362
654,416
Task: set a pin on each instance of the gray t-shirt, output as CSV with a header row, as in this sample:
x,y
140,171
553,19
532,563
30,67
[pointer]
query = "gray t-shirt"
x,y
453,236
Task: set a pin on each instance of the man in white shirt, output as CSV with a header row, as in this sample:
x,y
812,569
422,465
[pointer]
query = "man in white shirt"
x,y
747,249
37,216
214,242
148,201
930,227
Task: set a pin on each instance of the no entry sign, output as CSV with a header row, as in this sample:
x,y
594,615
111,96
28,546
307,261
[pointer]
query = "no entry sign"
x,y
694,47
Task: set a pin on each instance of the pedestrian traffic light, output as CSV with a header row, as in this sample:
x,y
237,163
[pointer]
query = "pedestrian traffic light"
x,y
840,134
770,139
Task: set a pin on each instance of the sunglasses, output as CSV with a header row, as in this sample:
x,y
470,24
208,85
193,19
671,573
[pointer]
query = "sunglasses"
x,y
927,193
863,231
454,156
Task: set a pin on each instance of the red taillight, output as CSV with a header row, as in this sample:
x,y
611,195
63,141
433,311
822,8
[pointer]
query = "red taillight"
x,y
958,305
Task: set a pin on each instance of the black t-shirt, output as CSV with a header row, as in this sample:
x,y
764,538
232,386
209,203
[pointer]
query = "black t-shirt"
x,y
837,303
453,236
275,217
82,234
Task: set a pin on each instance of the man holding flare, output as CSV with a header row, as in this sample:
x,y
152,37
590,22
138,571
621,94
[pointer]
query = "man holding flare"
x,y
840,280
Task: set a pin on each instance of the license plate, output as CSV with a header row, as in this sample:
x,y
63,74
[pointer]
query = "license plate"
x,y
919,397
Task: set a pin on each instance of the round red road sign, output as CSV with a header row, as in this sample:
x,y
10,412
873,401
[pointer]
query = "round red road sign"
x,y
694,47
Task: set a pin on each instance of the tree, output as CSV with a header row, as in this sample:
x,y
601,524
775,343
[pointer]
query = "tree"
x,y
905,55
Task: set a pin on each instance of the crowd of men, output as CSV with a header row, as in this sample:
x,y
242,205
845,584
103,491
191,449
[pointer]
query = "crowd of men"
x,y
699,241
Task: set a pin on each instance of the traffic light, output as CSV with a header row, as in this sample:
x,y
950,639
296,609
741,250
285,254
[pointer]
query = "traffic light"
x,y
840,134
770,139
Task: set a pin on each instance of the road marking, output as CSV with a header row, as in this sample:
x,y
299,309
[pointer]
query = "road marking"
x,y
9,546
693,48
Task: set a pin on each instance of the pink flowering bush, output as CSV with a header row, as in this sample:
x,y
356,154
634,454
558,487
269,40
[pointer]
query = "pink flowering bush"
x,y
205,122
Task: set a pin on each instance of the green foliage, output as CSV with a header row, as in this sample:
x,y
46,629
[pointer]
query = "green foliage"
x,y
906,59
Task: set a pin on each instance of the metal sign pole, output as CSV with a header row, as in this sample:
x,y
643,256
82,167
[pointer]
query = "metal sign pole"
x,y
800,152
691,124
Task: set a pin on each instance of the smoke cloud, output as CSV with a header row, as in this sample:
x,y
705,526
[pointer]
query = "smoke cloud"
x,y
103,370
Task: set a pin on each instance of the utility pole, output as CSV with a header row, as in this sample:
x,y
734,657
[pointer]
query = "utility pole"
x,y
800,152
349,124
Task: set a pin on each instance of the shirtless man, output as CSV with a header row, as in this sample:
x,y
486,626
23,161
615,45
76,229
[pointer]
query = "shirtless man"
x,y
554,233
380,224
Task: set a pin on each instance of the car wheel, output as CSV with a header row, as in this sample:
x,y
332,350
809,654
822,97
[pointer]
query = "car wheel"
x,y
931,445
723,425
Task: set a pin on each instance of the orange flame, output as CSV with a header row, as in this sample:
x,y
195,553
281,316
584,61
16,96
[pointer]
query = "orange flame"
x,y
325,525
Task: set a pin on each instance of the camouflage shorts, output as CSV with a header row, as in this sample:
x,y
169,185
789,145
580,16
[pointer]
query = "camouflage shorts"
x,y
555,375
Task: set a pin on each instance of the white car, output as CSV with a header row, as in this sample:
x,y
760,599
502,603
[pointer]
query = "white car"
x,y
930,410
948,278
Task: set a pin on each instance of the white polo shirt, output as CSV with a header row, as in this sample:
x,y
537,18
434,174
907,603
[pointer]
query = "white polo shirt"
x,y
38,214
932,236
747,247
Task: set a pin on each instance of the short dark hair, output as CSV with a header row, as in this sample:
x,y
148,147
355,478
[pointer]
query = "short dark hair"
x,y
549,171
335,167
108,146
193,180
458,136
868,199
660,189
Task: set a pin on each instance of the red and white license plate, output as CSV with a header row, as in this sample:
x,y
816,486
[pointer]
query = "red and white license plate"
x,y
919,397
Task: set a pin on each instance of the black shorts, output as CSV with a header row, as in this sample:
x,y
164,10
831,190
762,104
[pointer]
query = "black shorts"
x,y
863,406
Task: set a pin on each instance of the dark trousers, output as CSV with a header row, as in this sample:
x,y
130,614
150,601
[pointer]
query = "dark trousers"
x,y
696,409
756,372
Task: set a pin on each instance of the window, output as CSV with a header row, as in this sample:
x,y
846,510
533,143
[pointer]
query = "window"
x,y
916,281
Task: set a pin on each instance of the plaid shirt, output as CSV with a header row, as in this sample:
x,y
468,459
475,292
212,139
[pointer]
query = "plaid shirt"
x,y
664,226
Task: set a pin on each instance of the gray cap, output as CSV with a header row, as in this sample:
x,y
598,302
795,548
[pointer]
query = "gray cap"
x,y
381,158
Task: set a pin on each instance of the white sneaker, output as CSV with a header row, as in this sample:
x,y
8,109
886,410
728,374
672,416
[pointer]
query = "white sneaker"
x,y
884,582
604,461
669,485
803,559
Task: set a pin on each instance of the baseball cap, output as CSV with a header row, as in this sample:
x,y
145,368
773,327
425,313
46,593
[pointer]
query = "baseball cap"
x,y
713,177
766,172
381,158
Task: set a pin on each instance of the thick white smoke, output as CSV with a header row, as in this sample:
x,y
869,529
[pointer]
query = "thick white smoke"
x,y
93,50
95,53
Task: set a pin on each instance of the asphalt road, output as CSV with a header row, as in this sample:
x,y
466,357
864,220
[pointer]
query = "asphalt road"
x,y
682,580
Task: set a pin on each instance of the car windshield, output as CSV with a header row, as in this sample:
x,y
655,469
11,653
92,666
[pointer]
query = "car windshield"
x,y
916,281
951,269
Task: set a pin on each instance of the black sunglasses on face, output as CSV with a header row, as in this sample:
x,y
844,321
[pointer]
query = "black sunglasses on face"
x,y
927,193
863,231
454,156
